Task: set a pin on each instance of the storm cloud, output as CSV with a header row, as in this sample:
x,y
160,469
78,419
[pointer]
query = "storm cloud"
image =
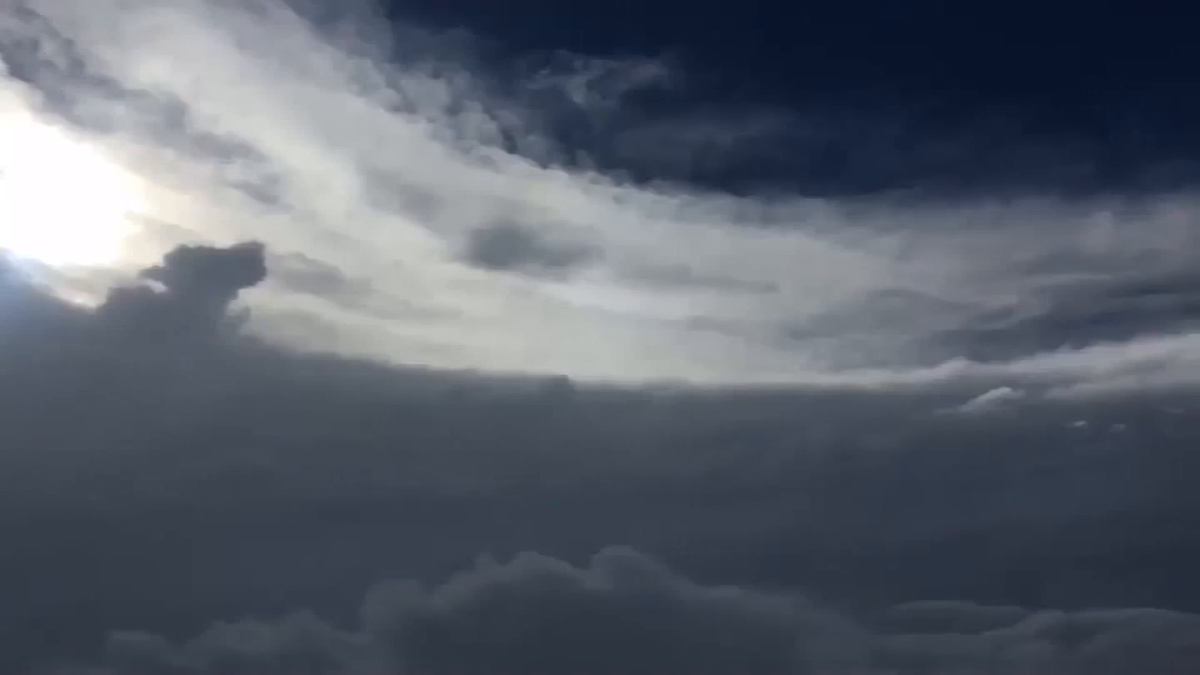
x,y
158,480
624,612
385,319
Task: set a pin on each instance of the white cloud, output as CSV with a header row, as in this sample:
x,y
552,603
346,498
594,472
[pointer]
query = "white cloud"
x,y
245,122
991,400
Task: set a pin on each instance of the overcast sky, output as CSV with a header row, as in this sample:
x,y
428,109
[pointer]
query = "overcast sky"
x,y
345,337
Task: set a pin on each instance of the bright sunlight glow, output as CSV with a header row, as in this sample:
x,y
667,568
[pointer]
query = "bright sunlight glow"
x,y
62,202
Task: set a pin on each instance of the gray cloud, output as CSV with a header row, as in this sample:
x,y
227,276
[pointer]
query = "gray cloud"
x,y
163,483
196,285
624,612
1075,313
507,246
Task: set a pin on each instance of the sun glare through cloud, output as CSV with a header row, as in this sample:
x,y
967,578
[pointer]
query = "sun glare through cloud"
x,y
62,202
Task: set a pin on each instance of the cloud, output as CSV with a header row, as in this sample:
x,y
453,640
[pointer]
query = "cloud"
x,y
621,612
626,612
429,175
170,459
990,400
162,475
508,246
1076,313
198,284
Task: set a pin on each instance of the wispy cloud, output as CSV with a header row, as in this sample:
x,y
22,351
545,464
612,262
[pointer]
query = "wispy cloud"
x,y
448,233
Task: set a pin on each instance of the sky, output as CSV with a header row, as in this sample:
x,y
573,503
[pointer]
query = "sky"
x,y
445,337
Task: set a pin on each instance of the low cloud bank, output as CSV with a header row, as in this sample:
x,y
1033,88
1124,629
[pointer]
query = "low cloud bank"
x,y
624,612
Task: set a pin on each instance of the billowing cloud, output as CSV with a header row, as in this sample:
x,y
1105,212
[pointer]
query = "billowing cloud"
x,y
196,285
160,475
624,612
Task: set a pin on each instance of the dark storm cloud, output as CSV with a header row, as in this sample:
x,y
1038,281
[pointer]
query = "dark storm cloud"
x,y
159,482
624,612
195,286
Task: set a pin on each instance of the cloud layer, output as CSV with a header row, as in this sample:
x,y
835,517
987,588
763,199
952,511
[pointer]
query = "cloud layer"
x,y
163,469
454,228
624,612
